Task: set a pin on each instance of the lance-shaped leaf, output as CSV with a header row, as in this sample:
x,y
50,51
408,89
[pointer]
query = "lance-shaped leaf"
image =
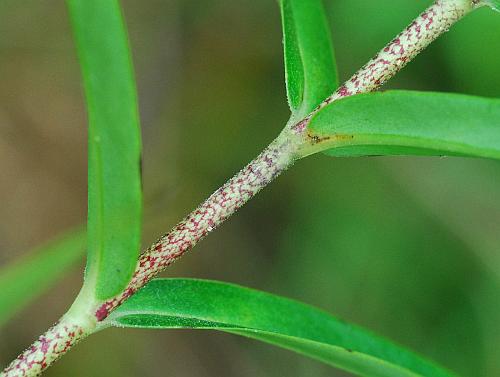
x,y
407,123
202,304
114,193
310,69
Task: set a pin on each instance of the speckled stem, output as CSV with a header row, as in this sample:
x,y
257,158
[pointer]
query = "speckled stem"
x,y
49,347
280,154
429,25
224,202
238,190
277,157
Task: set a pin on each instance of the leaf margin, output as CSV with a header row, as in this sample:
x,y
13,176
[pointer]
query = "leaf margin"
x,y
114,142
374,114
192,288
308,55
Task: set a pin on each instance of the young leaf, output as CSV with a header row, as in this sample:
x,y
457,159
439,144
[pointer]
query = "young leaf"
x,y
310,69
28,277
114,194
407,123
203,304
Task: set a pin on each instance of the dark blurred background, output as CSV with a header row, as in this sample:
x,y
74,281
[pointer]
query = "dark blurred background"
x,y
407,247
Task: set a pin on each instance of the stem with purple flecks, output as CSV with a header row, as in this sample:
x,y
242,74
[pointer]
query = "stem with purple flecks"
x,y
276,158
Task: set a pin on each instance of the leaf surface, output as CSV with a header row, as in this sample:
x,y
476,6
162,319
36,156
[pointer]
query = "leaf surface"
x,y
114,179
310,69
407,123
203,304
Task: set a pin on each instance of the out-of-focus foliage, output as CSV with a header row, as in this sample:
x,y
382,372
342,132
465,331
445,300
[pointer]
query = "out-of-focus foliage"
x,y
30,276
495,4
471,53
405,246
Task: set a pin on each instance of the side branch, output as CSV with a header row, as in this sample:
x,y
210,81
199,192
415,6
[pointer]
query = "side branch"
x,y
422,31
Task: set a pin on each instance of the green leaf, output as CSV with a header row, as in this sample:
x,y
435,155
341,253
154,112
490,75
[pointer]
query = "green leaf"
x,y
310,69
202,304
407,123
114,194
28,277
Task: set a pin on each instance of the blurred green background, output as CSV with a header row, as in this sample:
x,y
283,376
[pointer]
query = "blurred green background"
x,y
407,247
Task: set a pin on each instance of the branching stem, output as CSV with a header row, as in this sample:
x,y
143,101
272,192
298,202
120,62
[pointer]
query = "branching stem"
x,y
421,32
290,145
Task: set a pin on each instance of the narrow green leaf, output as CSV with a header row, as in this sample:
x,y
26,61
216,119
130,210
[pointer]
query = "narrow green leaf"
x,y
203,304
114,195
28,277
310,69
408,123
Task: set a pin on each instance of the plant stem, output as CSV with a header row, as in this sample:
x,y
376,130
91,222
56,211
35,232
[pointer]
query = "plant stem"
x,y
50,346
224,202
74,326
421,32
280,154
